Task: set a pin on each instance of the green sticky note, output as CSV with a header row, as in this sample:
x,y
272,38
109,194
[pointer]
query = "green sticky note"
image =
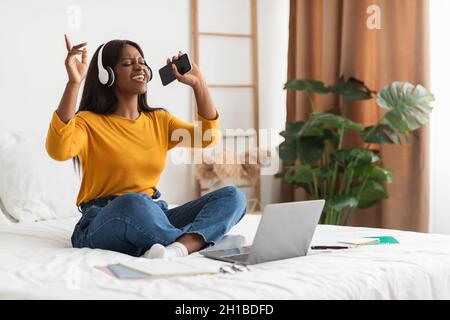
x,y
385,239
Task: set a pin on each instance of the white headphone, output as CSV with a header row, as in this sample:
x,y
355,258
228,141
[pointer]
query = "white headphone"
x,y
106,74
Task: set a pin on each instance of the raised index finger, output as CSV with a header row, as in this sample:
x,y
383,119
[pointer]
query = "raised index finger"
x,y
68,43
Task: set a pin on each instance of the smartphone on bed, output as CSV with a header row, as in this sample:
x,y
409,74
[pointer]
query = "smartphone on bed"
x,y
183,65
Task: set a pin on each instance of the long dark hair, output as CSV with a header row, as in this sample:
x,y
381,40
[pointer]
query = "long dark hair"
x,y
102,99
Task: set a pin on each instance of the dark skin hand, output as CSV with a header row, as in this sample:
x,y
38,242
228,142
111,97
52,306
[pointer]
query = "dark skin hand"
x,y
76,71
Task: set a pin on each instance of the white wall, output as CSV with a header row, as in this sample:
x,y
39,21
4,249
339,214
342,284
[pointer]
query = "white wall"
x,y
273,54
32,74
440,148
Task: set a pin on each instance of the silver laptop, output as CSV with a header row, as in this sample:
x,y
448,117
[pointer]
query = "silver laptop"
x,y
284,231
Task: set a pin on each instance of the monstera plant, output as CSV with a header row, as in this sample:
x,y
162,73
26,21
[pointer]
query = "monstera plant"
x,y
313,151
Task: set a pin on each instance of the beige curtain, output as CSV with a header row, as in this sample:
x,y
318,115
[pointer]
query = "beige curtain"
x,y
329,38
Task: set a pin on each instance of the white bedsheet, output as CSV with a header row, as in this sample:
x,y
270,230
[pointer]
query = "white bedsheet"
x,y
37,262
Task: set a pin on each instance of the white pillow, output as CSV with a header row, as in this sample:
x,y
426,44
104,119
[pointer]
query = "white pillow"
x,y
33,186
3,219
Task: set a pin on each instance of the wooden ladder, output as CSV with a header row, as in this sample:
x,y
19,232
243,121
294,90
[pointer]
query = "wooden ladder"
x,y
254,85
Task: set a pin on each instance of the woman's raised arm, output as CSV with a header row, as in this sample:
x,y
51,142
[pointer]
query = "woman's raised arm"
x,y
76,70
66,137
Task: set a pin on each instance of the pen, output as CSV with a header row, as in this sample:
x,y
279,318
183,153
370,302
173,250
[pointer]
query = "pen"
x,y
328,247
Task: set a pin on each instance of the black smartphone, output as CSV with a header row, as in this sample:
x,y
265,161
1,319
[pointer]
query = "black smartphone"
x,y
183,66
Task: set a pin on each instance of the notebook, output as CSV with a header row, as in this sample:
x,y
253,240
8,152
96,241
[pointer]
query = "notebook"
x,y
125,273
167,268
357,241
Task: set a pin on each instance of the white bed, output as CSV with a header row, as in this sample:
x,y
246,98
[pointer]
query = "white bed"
x,y
37,262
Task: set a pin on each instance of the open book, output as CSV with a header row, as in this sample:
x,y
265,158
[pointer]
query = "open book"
x,y
338,240
167,268
357,241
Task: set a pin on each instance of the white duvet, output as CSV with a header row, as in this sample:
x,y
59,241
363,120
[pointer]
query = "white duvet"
x,y
37,262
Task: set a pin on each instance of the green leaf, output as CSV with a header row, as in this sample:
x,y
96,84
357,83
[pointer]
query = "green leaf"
x,y
288,175
303,174
381,133
352,89
306,144
324,173
307,85
371,172
370,194
409,106
310,149
343,201
358,156
316,128
288,148
295,127
334,121
300,128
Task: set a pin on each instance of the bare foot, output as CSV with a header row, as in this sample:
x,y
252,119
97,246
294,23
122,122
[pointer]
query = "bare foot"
x,y
193,242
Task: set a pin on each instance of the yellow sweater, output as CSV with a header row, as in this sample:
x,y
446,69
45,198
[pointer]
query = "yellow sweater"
x,y
119,155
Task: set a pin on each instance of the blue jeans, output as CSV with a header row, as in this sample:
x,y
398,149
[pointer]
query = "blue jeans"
x,y
133,222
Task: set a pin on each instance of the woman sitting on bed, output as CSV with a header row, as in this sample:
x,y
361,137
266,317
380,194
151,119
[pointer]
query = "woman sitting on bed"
x,y
121,144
